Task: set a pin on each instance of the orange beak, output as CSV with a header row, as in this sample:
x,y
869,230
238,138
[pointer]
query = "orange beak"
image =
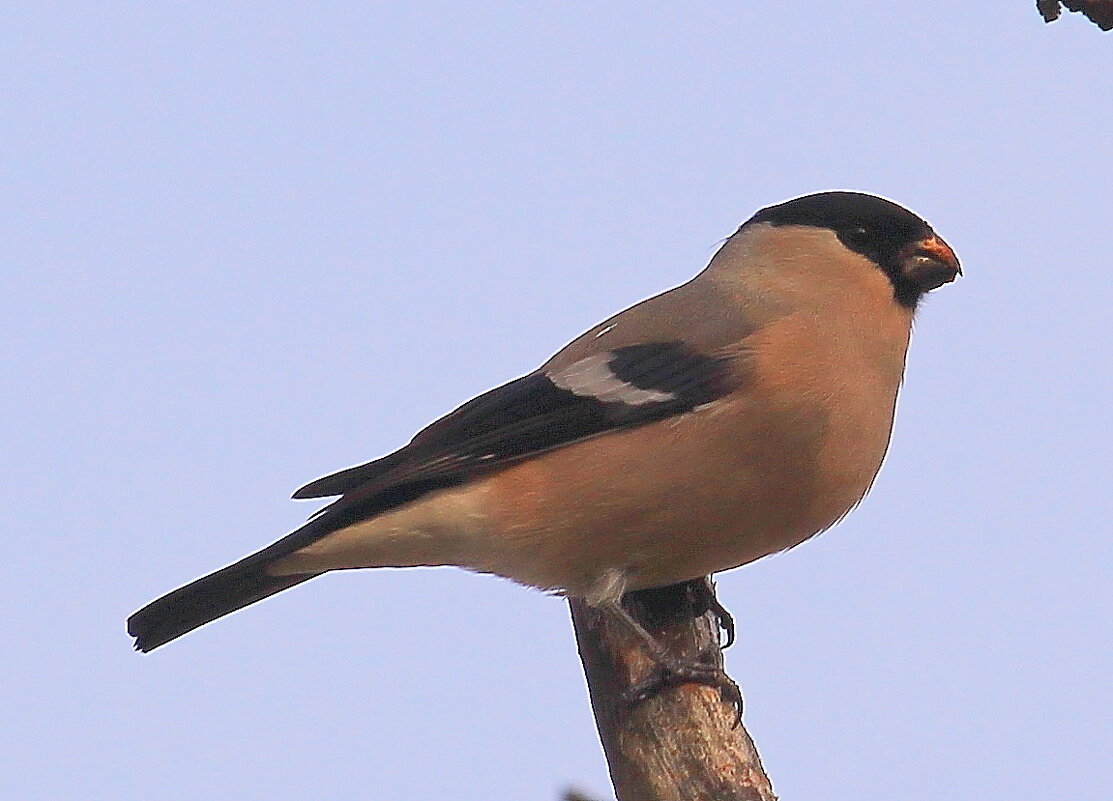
x,y
930,263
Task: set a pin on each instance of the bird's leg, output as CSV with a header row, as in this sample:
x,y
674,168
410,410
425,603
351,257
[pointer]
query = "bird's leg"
x,y
670,670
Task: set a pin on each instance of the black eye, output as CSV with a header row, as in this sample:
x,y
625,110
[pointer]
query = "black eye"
x,y
859,238
859,234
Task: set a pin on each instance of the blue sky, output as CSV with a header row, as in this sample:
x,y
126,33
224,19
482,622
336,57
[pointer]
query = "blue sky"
x,y
246,244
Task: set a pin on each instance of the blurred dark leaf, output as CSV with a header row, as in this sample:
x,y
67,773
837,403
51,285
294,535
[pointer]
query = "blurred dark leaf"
x,y
1099,12
575,795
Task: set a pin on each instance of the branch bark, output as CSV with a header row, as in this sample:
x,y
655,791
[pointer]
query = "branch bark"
x,y
683,742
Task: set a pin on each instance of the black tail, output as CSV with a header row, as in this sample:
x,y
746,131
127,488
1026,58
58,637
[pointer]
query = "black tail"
x,y
206,599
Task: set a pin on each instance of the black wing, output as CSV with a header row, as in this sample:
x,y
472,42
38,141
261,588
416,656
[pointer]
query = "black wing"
x,y
616,389
612,390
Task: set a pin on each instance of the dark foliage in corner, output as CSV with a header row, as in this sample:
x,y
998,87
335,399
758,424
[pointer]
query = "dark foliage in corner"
x,y
1099,12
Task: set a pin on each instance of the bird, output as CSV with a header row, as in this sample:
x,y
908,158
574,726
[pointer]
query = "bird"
x,y
726,419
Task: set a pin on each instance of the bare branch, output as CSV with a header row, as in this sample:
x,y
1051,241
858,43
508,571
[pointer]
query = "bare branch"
x,y
683,742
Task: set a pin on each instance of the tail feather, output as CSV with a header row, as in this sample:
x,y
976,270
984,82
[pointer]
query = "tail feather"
x,y
206,599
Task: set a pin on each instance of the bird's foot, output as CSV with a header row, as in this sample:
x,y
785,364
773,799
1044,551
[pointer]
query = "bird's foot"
x,y
670,672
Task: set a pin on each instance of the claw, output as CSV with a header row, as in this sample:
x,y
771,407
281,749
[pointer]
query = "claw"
x,y
671,672
702,591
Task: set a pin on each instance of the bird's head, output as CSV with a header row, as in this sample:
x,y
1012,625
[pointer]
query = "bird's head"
x,y
900,243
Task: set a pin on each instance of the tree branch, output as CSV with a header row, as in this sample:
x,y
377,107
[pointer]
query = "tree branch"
x,y
683,742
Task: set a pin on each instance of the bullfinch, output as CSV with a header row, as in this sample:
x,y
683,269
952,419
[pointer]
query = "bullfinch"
x,y
726,419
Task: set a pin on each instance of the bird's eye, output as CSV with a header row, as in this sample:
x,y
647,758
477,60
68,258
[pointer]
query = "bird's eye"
x,y
856,237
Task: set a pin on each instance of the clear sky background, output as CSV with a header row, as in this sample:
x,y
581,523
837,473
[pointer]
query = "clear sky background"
x,y
245,244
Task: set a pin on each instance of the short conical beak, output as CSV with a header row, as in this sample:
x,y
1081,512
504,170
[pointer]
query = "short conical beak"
x,y
929,263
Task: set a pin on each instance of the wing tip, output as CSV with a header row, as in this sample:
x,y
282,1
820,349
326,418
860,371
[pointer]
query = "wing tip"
x,y
321,488
328,486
